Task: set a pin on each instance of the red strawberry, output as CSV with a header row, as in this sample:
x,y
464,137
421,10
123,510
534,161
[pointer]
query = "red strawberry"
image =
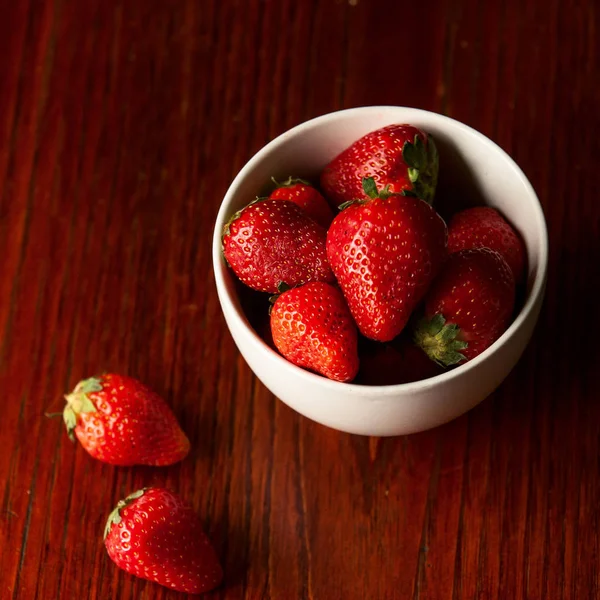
x,y
307,197
401,156
397,362
312,327
153,534
385,251
468,307
273,241
485,227
120,421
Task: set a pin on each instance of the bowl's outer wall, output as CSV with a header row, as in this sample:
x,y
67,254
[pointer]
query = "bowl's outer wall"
x,y
401,413
392,410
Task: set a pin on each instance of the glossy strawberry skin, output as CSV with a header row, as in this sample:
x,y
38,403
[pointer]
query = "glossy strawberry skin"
x,y
387,155
154,535
120,421
274,241
307,197
476,292
312,327
385,253
485,227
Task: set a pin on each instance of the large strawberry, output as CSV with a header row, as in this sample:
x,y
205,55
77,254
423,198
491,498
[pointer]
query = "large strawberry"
x,y
468,307
120,421
312,327
385,250
274,241
307,197
402,157
485,227
153,534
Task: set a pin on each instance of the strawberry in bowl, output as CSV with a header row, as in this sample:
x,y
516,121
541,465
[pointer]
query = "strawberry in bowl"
x,y
391,259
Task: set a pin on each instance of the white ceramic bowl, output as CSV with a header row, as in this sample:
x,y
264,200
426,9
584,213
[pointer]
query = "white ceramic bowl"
x,y
469,164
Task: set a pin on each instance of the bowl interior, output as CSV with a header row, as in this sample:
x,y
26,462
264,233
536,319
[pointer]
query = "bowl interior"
x,y
473,171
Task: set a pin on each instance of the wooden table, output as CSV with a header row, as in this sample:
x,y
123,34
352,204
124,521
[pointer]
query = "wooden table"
x,y
121,126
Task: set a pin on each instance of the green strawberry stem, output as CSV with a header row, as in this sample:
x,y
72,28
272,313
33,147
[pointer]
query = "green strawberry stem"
x,y
282,286
439,340
371,191
370,187
423,166
115,516
78,403
289,181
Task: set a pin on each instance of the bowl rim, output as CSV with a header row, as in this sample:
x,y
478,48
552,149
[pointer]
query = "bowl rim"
x,y
377,391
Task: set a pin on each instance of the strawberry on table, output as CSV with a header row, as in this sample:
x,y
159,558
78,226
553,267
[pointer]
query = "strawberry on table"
x,y
273,241
468,307
402,157
154,535
307,197
485,227
120,421
385,251
312,327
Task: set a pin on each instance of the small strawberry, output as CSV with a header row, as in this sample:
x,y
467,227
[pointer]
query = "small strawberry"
x,y
153,534
120,421
385,251
273,241
399,156
468,307
485,227
307,197
312,327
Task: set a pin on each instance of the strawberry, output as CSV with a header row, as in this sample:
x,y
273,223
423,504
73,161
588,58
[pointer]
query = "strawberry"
x,y
385,251
307,197
485,227
399,156
153,534
273,241
397,362
120,421
312,327
468,307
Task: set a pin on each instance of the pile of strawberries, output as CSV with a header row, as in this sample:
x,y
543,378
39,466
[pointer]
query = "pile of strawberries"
x,y
379,284
369,294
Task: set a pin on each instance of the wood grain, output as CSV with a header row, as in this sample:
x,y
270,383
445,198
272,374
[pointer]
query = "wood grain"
x,y
121,126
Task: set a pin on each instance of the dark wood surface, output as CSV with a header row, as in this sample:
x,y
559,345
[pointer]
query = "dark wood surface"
x,y
121,126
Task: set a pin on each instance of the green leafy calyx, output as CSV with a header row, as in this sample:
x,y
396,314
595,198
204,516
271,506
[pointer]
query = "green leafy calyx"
x,y
289,182
78,402
371,191
281,288
370,187
348,203
440,340
115,516
422,163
